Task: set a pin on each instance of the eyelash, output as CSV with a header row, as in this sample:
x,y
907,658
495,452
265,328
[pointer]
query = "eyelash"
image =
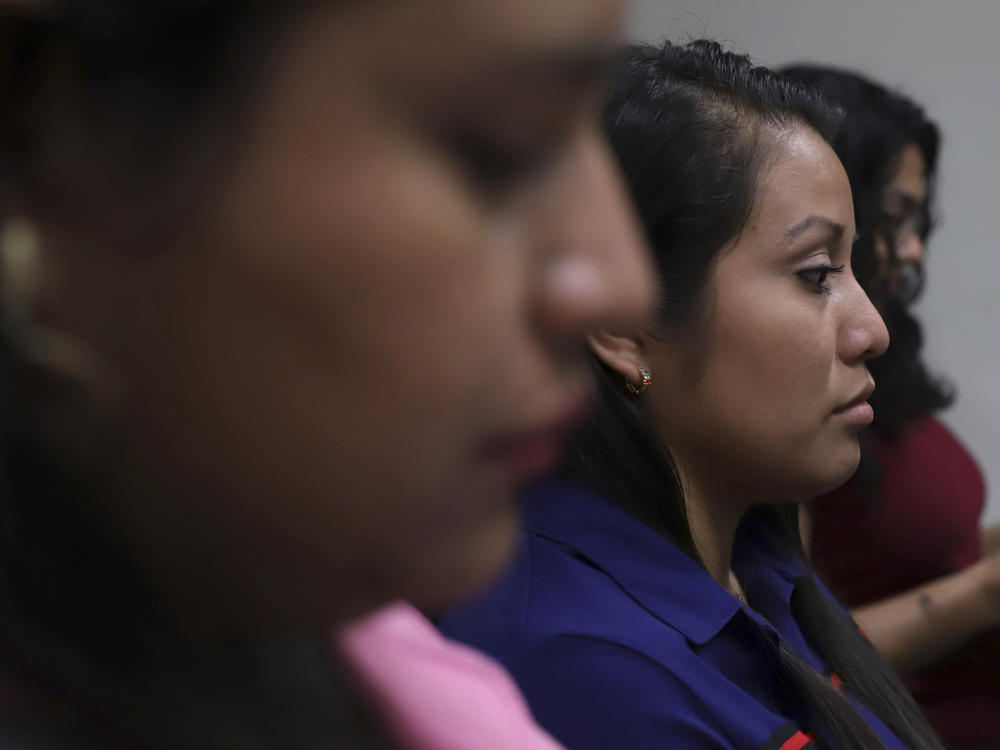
x,y
816,277
493,166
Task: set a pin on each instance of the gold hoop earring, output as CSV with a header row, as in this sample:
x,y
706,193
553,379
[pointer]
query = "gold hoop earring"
x,y
645,378
38,346
19,266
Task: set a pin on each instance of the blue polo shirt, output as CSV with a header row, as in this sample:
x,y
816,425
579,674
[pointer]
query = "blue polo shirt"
x,y
620,640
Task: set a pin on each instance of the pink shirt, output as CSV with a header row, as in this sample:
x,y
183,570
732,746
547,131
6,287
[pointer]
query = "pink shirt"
x,y
434,694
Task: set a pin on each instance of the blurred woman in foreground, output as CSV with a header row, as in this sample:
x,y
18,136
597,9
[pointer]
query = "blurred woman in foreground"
x,y
296,297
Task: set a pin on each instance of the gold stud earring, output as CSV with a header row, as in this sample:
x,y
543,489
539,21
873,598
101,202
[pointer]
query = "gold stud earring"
x,y
645,378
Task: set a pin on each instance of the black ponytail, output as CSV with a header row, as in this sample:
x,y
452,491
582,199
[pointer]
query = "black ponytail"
x,y
861,671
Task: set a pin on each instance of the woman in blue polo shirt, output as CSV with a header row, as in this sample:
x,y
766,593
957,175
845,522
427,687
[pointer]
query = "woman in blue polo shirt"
x,y
660,599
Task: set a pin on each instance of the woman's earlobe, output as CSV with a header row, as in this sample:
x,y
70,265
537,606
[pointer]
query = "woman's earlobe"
x,y
623,354
645,378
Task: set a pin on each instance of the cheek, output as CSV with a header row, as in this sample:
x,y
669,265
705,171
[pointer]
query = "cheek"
x,y
349,365
881,249
391,324
772,360
758,399
773,378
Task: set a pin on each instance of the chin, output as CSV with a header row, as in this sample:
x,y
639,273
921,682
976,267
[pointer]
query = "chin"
x,y
841,470
465,564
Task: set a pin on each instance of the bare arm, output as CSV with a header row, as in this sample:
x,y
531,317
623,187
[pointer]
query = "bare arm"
x,y
920,626
991,540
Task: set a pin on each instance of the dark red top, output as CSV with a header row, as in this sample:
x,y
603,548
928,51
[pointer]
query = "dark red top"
x,y
923,523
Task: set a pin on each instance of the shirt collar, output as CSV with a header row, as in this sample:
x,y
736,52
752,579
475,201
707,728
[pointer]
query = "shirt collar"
x,y
651,569
758,544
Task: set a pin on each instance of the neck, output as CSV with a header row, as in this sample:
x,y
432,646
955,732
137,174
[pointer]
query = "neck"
x,y
714,515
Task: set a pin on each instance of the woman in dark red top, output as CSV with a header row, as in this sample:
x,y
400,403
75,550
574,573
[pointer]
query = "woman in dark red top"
x,y
901,542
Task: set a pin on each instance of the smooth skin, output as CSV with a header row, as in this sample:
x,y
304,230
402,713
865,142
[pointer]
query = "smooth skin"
x,y
393,275
748,399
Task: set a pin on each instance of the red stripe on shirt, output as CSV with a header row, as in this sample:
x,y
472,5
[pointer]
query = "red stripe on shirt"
x,y
796,742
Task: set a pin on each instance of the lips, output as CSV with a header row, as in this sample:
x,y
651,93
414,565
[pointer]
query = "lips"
x,y
532,452
857,412
861,397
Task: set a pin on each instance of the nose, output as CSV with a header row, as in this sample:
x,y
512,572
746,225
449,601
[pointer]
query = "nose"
x,y
598,273
863,334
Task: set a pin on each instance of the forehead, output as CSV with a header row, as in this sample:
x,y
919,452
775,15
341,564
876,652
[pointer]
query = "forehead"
x,y
527,20
498,29
803,177
432,52
910,179
347,63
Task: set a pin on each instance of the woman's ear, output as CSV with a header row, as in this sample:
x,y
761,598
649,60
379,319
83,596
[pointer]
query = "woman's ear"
x,y
623,354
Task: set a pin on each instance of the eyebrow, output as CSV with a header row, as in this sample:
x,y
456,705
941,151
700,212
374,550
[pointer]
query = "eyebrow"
x,y
834,228
910,202
581,64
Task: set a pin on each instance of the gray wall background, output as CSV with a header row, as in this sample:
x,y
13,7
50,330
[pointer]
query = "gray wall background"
x,y
945,55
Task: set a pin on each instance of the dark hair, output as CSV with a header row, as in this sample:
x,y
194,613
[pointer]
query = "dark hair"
x,y
688,124
89,656
878,125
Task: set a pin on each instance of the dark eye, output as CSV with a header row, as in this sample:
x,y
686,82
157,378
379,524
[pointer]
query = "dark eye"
x,y
918,221
816,278
492,165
